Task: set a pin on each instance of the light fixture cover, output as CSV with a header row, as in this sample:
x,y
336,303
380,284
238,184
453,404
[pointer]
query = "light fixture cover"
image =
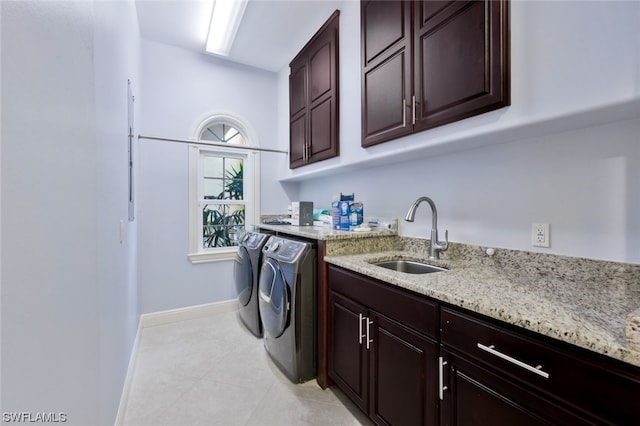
x,y
225,20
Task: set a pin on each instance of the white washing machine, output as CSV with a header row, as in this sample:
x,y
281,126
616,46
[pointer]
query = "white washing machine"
x,y
287,300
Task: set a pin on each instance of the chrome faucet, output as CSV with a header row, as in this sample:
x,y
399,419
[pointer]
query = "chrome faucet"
x,y
436,246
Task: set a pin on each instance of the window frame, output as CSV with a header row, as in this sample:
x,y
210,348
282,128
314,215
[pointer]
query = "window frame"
x,y
251,181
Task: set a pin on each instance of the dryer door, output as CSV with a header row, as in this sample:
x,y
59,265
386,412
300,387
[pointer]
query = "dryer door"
x,y
243,276
274,298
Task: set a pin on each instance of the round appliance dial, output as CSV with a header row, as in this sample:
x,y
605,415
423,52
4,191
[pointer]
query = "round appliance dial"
x,y
275,246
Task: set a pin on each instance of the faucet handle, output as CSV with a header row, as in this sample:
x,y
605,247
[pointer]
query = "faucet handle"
x,y
445,245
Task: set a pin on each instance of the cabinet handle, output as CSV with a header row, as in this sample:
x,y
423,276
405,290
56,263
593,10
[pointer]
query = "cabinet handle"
x,y
536,370
413,109
369,322
404,113
360,335
441,387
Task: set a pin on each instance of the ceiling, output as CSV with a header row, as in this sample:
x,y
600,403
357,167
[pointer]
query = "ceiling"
x,y
270,35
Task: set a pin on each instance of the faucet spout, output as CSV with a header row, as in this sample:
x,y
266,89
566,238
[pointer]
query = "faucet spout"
x,y
434,212
436,246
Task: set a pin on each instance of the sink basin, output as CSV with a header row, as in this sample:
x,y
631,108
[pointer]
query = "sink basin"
x,y
409,266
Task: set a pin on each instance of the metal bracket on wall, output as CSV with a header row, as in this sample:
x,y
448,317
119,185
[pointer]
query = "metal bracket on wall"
x,y
130,100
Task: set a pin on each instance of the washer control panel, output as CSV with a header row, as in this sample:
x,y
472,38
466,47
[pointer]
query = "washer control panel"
x,y
284,250
253,239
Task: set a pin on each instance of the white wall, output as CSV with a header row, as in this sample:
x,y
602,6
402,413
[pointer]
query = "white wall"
x,y
180,89
69,291
116,61
566,58
585,183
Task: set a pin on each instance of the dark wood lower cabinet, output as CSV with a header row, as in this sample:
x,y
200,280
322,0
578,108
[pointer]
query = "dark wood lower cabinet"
x,y
536,375
406,359
475,396
348,358
402,375
386,368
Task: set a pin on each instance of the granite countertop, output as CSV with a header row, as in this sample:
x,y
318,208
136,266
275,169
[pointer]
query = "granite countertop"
x,y
591,304
323,232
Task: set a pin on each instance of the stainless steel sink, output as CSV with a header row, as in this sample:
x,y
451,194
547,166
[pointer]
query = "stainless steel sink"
x,y
409,266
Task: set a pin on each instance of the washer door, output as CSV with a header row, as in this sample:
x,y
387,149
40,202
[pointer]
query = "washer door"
x,y
243,276
274,299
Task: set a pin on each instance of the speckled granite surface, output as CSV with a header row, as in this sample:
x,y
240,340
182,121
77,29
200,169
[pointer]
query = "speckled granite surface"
x,y
633,330
324,232
591,304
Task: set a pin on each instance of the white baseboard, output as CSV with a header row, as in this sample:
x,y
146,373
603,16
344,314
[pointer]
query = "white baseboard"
x,y
126,388
166,317
187,313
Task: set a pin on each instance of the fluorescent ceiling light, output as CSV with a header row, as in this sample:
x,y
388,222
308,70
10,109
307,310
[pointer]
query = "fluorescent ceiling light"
x,y
225,20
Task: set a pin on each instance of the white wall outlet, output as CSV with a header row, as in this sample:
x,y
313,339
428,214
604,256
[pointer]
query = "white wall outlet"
x,y
540,236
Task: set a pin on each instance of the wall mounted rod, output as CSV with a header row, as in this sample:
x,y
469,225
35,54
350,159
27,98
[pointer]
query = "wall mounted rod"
x,y
207,143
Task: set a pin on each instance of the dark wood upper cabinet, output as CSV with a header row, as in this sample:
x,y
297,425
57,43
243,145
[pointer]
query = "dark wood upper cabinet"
x,y
314,98
386,73
429,63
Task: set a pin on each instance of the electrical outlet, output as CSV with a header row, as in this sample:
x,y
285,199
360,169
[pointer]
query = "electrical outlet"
x,y
540,235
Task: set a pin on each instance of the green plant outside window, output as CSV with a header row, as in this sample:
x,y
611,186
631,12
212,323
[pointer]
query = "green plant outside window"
x,y
223,221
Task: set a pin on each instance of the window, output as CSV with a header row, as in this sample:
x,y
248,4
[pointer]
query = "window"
x,y
223,189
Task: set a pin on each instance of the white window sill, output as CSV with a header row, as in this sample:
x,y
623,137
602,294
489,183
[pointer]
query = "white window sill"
x,y
217,256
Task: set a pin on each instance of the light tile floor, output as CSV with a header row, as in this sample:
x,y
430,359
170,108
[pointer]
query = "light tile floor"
x,y
212,371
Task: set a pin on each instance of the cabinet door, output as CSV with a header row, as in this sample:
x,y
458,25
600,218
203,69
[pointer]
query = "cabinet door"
x,y
348,358
314,98
403,375
323,95
594,385
474,396
386,70
298,113
461,55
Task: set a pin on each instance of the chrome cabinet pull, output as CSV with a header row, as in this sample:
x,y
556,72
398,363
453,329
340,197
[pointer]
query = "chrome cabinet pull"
x,y
536,370
404,113
413,108
441,387
367,334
